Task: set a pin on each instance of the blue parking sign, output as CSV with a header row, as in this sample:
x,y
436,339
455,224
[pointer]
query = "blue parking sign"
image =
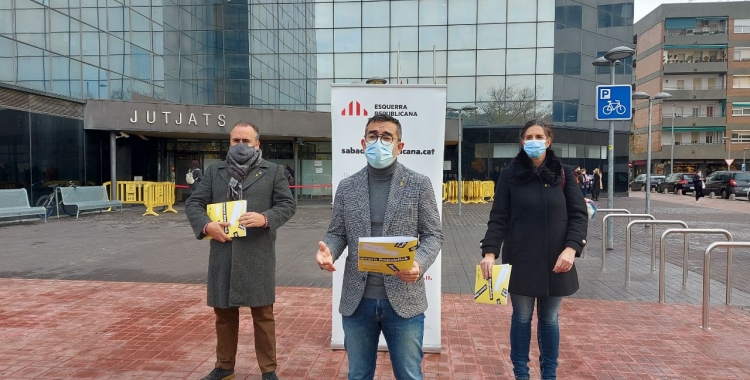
x,y
614,102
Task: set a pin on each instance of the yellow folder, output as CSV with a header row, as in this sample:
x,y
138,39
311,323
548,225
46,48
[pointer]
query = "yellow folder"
x,y
386,254
228,212
495,289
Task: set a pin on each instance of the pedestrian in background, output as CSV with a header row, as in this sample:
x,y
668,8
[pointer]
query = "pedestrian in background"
x,y
385,198
541,223
583,182
242,270
596,186
699,183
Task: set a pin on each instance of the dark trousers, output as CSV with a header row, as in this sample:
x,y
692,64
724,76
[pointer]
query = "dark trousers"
x,y
264,331
698,192
595,194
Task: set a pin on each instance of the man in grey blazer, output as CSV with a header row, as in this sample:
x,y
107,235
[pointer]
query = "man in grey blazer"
x,y
383,199
241,270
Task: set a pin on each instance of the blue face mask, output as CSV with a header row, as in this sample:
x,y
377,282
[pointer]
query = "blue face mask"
x,y
535,148
379,155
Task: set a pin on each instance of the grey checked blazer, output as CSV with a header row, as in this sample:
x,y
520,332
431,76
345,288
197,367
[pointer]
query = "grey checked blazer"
x,y
411,211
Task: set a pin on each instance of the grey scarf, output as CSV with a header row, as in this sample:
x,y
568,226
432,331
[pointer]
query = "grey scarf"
x,y
241,159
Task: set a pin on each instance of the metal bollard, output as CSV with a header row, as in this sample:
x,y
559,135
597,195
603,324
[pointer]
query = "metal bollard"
x,y
628,236
604,233
663,250
707,275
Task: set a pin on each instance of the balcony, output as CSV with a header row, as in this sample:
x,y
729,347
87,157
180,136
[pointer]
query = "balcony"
x,y
683,67
699,120
704,93
715,37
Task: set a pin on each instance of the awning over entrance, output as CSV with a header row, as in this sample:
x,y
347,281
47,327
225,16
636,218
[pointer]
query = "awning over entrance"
x,y
200,120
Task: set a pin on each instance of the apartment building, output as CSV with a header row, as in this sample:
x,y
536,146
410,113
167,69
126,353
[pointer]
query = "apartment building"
x,y
700,54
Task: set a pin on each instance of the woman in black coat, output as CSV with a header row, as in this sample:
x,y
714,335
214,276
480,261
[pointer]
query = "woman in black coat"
x,y
539,217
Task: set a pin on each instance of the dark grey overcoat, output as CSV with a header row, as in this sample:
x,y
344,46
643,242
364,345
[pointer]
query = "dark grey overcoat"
x,y
242,272
535,217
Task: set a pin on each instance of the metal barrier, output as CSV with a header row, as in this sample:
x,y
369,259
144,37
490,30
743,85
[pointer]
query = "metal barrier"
x,y
707,275
604,210
663,250
129,192
158,194
604,231
653,242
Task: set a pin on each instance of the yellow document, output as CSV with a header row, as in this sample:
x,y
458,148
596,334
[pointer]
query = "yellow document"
x,y
386,254
228,212
495,290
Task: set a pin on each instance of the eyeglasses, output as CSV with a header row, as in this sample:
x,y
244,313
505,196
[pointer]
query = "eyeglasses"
x,y
386,140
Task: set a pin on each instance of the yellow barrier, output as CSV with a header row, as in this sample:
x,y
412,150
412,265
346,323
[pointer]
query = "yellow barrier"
x,y
129,192
452,192
159,194
149,194
471,192
488,190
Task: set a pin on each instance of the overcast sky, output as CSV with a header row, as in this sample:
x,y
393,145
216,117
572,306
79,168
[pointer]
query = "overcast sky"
x,y
643,7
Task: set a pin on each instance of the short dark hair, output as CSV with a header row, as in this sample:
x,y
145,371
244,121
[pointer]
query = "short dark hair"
x,y
384,117
531,123
247,124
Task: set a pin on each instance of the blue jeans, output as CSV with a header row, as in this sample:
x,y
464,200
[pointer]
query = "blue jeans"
x,y
548,334
402,335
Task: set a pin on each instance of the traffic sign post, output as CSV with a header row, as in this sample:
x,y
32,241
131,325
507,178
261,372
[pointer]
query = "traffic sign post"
x,y
614,102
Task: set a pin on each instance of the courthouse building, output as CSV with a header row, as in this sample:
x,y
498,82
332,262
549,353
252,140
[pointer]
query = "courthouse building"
x,y
161,81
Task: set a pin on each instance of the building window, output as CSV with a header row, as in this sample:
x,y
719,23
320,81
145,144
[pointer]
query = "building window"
x,y
570,16
741,81
742,25
740,137
567,63
740,109
742,54
612,15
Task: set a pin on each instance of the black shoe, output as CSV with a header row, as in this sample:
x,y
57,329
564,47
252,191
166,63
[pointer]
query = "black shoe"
x,y
270,376
220,374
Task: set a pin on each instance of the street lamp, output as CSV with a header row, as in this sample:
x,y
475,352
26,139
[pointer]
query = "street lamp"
x,y
376,80
611,59
643,95
671,150
460,142
728,143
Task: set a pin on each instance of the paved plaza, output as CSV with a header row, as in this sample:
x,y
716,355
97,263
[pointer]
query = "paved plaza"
x,y
121,296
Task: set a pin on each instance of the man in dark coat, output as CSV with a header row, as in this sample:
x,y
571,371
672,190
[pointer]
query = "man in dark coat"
x,y
241,271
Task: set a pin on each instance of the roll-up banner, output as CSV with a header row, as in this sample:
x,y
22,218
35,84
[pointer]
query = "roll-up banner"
x,y
421,111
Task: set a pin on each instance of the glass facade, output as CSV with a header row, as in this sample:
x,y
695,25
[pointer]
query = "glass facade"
x,y
244,52
39,150
479,48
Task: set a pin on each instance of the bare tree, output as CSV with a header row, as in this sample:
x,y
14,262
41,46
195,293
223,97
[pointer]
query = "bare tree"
x,y
512,105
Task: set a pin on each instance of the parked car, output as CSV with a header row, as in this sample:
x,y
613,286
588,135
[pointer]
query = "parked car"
x,y
639,183
725,183
676,183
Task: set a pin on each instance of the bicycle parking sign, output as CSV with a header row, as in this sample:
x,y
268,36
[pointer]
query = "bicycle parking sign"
x,y
613,102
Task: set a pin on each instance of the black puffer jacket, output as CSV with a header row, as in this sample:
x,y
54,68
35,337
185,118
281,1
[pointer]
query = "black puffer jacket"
x,y
536,217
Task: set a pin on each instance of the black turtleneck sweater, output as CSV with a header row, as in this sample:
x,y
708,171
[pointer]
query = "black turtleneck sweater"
x,y
379,183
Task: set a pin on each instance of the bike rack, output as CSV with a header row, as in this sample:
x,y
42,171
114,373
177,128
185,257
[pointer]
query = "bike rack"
x,y
707,275
628,236
604,230
663,250
604,210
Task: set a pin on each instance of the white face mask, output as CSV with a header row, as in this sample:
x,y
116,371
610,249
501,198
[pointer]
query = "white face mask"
x,y
379,155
